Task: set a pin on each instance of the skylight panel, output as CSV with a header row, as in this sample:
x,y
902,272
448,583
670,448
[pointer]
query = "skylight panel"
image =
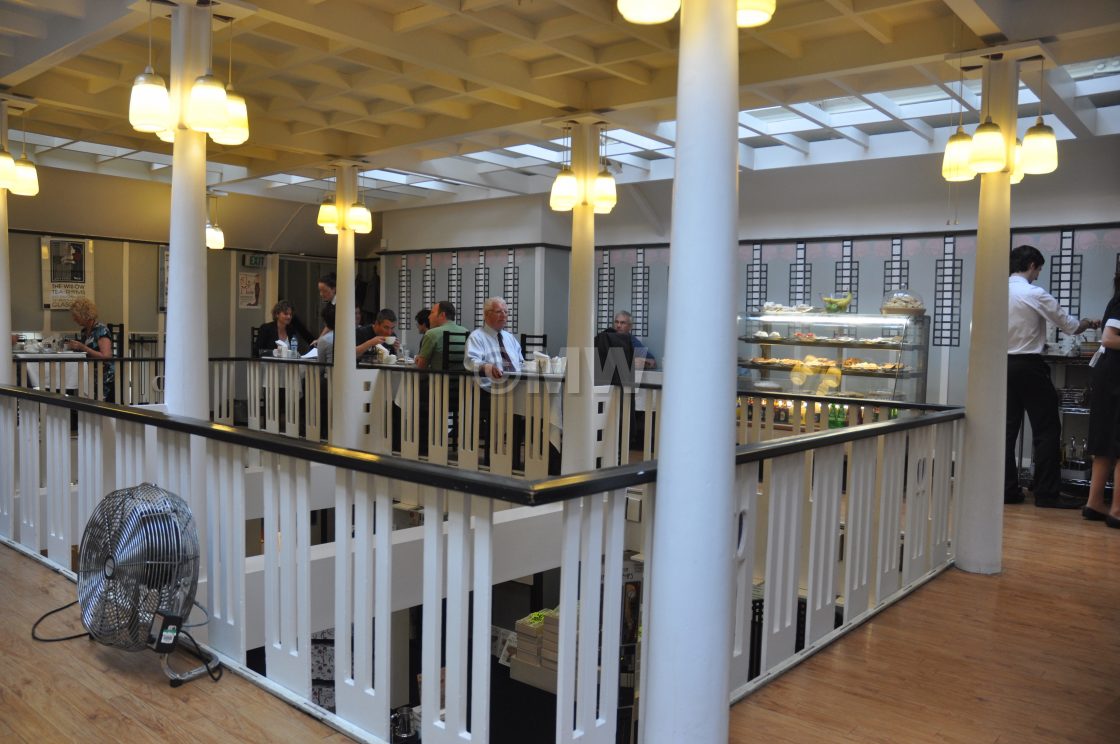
x,y
637,140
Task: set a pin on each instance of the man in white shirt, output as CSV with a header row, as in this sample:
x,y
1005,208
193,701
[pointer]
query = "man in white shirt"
x,y
1029,309
491,350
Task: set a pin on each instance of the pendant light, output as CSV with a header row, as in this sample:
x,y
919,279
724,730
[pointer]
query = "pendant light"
x,y
565,189
358,217
1017,173
25,179
149,107
206,111
236,129
955,166
604,194
328,216
215,237
989,148
645,12
1040,146
752,13
7,166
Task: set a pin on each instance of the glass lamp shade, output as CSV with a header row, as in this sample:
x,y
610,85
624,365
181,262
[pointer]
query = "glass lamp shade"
x,y
236,130
1040,149
215,238
1017,173
989,149
149,106
328,214
955,167
359,219
330,229
751,13
7,170
565,191
603,194
645,12
167,135
26,181
206,111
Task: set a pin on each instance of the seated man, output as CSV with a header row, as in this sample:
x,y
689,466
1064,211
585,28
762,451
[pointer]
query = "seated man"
x,y
384,326
442,321
643,357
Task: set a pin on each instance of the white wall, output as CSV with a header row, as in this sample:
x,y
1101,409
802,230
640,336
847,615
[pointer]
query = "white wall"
x,y
516,220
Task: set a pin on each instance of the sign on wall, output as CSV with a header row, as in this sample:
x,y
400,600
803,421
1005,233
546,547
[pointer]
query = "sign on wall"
x,y
248,290
67,271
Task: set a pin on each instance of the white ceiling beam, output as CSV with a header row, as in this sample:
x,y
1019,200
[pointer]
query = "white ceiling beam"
x,y
605,14
761,128
823,120
890,109
72,8
953,88
1058,93
872,24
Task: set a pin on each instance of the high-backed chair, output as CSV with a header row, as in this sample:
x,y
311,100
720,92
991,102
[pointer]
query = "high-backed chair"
x,y
531,342
116,337
254,336
454,348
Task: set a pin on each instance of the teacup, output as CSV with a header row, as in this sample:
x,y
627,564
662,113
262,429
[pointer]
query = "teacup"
x,y
529,365
391,340
392,359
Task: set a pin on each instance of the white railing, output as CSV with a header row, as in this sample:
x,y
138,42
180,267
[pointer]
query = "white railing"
x,y
833,526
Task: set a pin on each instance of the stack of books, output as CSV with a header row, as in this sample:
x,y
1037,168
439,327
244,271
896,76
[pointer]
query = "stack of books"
x,y
530,638
550,641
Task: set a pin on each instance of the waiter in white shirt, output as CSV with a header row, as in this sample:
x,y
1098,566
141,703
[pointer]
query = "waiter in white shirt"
x,y
1029,309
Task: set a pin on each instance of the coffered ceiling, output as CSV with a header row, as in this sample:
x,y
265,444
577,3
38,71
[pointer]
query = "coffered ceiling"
x,y
450,100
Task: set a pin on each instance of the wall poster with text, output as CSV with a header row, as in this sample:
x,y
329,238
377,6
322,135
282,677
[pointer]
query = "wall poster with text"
x,y
248,289
67,271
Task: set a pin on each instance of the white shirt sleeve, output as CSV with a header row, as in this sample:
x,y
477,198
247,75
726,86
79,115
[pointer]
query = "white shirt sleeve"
x,y
1049,309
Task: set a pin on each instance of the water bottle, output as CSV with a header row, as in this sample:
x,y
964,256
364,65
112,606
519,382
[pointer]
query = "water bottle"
x,y
293,344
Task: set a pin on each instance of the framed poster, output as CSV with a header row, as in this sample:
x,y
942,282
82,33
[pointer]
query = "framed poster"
x,y
248,290
67,271
164,262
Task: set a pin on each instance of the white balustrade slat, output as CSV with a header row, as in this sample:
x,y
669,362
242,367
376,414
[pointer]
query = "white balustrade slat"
x,y
649,508
942,493
408,386
57,444
440,389
433,727
888,573
254,386
483,580
8,431
859,546
225,560
501,430
458,601
129,454
29,475
747,482
783,559
590,604
566,667
609,634
469,422
916,561
363,551
824,549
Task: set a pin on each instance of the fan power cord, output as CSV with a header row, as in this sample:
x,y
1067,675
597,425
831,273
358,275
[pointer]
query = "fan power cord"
x,y
41,639
213,666
202,622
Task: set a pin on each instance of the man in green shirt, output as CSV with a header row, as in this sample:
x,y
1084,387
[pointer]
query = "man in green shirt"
x,y
442,322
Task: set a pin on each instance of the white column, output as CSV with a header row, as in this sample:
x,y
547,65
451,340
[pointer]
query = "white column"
x,y
578,451
187,352
689,623
6,372
980,524
345,407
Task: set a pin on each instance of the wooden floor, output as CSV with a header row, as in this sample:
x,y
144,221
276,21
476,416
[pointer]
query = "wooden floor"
x,y
1029,655
83,691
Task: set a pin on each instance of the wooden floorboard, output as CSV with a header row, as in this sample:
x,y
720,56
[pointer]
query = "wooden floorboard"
x,y
1029,655
83,691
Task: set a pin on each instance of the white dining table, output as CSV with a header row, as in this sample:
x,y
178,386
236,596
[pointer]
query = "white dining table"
x,y
48,362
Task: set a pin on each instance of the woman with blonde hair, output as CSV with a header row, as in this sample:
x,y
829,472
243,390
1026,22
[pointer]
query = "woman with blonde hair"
x,y
95,340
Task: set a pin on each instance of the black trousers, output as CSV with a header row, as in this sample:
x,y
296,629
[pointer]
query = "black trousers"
x,y
1029,389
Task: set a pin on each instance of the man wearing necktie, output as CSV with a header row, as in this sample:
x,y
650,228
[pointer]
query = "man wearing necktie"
x,y
492,352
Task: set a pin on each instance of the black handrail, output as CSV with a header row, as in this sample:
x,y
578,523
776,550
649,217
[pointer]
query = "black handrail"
x,y
504,488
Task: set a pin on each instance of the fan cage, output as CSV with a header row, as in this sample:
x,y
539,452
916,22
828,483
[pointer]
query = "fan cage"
x,y
139,555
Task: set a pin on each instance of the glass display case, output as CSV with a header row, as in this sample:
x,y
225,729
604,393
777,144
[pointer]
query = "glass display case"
x,y
873,356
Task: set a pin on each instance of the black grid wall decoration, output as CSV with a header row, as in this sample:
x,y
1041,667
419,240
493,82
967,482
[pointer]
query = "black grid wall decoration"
x,y
455,284
948,295
847,276
511,289
800,277
896,269
404,288
1065,276
639,295
604,293
756,280
429,282
481,288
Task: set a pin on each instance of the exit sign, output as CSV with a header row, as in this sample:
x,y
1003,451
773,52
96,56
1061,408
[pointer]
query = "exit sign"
x,y
253,260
